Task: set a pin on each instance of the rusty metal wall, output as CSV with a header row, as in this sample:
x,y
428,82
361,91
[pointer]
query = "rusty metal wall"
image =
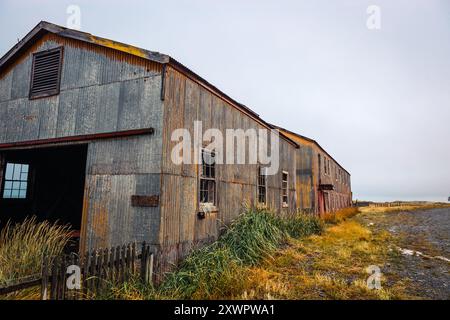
x,y
309,177
116,170
186,101
101,91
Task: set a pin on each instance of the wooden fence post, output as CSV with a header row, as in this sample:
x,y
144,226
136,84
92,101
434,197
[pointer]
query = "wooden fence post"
x,y
116,264
44,284
143,262
54,279
150,271
133,258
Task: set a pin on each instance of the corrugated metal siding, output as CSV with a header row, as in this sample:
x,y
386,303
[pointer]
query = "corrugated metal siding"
x,y
308,178
186,101
101,91
116,170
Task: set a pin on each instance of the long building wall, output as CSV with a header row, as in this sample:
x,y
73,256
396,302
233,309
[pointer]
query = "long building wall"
x,y
315,167
103,91
185,102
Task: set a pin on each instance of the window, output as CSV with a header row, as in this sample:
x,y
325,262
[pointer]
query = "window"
x,y
46,73
16,181
325,165
262,185
320,164
208,178
329,167
284,189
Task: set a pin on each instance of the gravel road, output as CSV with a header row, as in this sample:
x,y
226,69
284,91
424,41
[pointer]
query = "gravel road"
x,y
423,246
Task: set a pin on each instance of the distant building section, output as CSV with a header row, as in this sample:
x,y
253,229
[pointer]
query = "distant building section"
x,y
323,185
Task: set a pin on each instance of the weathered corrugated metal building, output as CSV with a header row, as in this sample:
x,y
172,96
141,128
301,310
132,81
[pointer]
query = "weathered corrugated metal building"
x,y
85,137
323,185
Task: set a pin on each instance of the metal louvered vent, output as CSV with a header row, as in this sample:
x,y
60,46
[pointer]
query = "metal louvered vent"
x,y
46,73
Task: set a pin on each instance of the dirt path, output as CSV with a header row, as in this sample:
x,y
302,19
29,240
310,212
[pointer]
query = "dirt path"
x,y
421,251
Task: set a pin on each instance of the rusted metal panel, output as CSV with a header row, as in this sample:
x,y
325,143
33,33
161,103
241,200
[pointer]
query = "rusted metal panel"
x,y
97,190
5,87
78,138
110,217
186,101
173,118
192,99
308,169
188,208
48,116
171,186
90,101
145,201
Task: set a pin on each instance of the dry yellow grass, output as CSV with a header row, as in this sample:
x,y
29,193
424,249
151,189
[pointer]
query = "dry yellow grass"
x,y
22,247
412,207
328,266
340,215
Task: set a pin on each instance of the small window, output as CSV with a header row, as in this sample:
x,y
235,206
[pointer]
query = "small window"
x,y
262,185
208,178
46,73
284,189
16,181
320,164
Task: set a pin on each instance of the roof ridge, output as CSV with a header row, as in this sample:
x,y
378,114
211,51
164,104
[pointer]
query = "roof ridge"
x,y
45,26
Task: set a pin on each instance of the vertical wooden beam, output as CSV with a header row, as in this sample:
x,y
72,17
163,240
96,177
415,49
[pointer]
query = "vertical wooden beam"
x,y
44,284
54,285
150,271
143,262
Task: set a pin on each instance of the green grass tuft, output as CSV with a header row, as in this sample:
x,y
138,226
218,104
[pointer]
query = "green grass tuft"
x,y
220,269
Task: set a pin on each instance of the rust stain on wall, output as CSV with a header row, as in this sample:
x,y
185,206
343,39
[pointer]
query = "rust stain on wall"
x,y
113,52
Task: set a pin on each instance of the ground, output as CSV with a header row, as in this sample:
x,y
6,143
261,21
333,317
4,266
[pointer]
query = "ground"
x,y
423,237
409,245
334,265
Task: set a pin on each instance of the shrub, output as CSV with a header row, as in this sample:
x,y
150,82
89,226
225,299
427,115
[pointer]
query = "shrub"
x,y
253,235
301,225
23,245
219,269
340,215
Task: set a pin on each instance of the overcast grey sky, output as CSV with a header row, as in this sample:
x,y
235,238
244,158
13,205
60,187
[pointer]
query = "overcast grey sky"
x,y
377,100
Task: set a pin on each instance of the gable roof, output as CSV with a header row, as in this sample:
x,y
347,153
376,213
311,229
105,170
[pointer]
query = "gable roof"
x,y
312,141
44,27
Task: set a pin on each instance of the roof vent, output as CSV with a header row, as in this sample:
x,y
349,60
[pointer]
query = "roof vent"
x,y
46,73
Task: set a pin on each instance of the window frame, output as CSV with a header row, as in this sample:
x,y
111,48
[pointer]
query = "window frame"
x,y
284,204
262,172
209,179
47,93
4,180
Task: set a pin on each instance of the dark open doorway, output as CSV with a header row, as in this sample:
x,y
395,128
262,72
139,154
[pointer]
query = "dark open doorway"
x,y
44,182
